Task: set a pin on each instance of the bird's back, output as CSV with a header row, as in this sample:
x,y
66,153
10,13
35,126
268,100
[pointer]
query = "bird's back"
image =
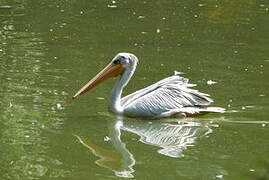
x,y
170,93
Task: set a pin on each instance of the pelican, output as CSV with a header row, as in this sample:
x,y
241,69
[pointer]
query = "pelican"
x,y
172,96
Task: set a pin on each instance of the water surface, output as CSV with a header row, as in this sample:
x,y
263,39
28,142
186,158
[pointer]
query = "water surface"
x,y
48,50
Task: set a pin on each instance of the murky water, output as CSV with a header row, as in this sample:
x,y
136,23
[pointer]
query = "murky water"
x,y
49,49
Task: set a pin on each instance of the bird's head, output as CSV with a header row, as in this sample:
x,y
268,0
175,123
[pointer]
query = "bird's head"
x,y
116,67
125,59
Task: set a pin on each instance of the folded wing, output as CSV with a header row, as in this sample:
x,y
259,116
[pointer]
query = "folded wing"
x,y
170,93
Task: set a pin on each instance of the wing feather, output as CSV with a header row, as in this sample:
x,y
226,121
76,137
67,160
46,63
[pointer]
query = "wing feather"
x,y
169,80
167,94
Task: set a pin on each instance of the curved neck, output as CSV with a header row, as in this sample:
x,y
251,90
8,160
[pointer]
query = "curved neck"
x,y
115,98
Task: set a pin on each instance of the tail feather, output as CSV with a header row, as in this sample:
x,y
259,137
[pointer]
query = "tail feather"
x,y
200,110
215,109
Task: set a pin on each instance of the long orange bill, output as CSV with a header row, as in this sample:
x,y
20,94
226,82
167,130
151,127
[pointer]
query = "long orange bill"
x,y
111,70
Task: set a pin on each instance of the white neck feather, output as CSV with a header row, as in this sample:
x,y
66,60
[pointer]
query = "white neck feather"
x,y
115,98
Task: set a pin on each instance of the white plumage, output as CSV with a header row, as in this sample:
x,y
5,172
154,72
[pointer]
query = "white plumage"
x,y
168,94
172,96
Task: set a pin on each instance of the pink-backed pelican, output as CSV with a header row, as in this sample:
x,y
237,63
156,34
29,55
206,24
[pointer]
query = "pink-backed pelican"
x,y
168,97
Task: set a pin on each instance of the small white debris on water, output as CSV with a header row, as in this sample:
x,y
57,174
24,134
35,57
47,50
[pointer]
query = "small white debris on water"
x,y
100,98
219,176
214,125
143,32
251,170
106,138
263,125
141,17
113,2
10,104
59,106
81,12
6,7
243,108
158,30
261,95
177,72
210,82
111,6
162,65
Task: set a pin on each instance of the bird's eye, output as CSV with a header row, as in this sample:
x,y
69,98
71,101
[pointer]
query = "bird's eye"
x,y
117,61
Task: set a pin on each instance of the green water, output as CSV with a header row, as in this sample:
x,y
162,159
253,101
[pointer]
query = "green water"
x,y
49,49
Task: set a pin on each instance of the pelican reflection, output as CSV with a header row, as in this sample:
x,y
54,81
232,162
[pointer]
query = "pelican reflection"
x,y
172,137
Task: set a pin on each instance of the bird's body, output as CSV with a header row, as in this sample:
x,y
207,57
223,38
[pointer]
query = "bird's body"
x,y
171,96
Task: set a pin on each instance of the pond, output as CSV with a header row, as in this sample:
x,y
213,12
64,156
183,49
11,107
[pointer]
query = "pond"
x,y
49,49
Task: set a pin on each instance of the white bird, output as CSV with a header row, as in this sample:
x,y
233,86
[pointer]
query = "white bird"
x,y
168,97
